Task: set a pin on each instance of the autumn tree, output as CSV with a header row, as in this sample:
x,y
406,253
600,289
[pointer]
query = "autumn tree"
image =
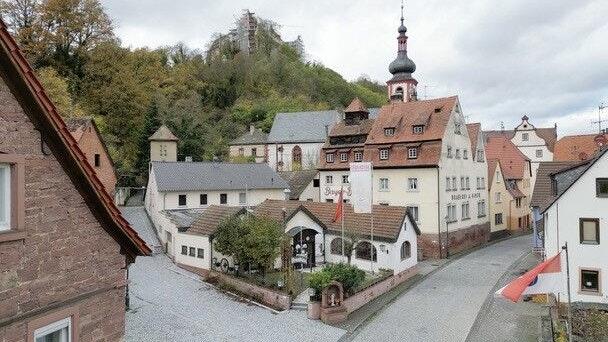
x,y
56,88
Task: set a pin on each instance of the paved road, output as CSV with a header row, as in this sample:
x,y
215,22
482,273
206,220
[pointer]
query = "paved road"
x,y
171,304
444,306
140,221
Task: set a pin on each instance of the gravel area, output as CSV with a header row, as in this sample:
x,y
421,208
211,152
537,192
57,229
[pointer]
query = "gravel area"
x,y
171,304
139,220
444,306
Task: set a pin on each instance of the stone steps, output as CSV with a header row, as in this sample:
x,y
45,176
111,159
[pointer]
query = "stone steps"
x,y
299,306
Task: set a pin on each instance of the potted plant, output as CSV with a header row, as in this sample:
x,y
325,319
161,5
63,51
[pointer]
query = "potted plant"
x,y
317,281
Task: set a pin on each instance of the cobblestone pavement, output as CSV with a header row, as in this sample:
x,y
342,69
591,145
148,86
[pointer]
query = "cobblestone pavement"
x,y
444,306
505,321
139,220
171,304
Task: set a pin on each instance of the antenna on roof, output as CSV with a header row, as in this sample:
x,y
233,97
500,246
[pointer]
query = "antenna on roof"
x,y
502,125
401,12
599,121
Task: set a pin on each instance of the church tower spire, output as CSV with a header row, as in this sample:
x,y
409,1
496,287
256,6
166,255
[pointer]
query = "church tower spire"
x,y
402,86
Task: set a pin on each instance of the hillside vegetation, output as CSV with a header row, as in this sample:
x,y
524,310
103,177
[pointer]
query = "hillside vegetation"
x,y
206,101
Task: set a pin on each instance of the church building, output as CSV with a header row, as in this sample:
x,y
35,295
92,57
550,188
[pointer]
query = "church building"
x,y
424,157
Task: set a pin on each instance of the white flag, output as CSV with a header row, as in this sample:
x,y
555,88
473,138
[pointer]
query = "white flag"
x,y
360,180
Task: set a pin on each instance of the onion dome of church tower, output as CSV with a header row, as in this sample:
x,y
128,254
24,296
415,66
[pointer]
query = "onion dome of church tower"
x,y
402,66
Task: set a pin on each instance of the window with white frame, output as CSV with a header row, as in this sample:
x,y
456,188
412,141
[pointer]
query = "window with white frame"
x,y
60,331
465,154
384,154
412,153
329,179
358,156
5,197
329,157
418,129
454,184
481,208
345,179
412,184
462,185
451,217
465,211
480,155
242,198
539,153
448,187
467,183
343,156
414,211
389,132
384,184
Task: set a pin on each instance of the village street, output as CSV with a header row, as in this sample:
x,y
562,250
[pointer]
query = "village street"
x,y
445,305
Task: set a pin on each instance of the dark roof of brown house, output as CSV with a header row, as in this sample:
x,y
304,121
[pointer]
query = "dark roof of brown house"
x,y
579,147
42,112
298,181
543,193
207,223
512,161
387,219
356,106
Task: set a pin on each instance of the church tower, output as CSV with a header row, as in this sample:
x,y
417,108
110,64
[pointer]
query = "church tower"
x,y
163,145
402,87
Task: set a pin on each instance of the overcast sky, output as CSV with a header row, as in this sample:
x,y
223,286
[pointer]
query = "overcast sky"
x,y
544,58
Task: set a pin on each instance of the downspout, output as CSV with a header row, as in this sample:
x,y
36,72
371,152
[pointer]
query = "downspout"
x,y
556,223
438,214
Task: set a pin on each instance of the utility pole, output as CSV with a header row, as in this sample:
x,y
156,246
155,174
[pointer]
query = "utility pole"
x,y
599,121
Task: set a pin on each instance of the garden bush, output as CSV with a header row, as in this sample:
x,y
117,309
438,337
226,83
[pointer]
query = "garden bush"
x,y
350,277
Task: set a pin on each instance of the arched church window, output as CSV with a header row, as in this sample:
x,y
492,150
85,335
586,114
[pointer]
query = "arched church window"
x,y
366,251
296,155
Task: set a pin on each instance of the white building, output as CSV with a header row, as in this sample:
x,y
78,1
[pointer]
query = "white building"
x,y
537,144
311,225
196,185
303,185
577,214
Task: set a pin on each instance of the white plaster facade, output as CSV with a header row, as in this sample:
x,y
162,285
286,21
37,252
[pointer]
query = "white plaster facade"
x,y
531,145
280,156
257,152
562,224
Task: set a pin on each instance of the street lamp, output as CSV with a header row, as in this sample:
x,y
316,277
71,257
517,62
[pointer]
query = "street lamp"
x,y
447,236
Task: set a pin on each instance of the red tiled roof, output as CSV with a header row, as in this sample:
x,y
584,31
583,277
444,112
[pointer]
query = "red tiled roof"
x,y
492,163
72,157
387,219
404,115
578,147
511,159
474,129
356,106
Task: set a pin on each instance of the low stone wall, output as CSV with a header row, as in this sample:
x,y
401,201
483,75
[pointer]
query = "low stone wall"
x,y
200,271
271,298
459,240
361,298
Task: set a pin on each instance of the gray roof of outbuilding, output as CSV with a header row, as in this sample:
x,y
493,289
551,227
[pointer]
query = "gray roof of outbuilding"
x,y
251,138
191,176
306,126
298,181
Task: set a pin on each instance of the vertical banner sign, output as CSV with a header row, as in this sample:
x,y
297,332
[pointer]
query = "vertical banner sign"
x,y
360,180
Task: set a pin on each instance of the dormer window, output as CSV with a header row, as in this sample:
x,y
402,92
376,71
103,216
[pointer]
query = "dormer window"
x,y
343,156
389,132
412,153
418,129
358,156
384,154
329,157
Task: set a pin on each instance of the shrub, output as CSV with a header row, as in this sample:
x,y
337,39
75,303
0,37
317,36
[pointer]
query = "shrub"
x,y
350,277
318,281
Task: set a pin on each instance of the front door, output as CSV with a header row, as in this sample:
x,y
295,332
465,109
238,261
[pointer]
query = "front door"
x,y
304,244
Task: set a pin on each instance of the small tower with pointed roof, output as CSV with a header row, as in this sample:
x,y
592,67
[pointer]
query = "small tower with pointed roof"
x,y
402,86
163,145
355,112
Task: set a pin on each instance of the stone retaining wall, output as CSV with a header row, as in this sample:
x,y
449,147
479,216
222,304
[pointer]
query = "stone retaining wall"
x,y
361,298
460,240
274,299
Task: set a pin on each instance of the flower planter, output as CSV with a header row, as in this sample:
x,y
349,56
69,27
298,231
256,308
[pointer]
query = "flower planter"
x,y
314,310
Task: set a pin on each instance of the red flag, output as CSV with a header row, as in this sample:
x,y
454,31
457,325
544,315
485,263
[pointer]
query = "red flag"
x,y
339,208
543,278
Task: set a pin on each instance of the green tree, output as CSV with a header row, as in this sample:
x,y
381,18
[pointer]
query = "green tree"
x,y
56,88
151,124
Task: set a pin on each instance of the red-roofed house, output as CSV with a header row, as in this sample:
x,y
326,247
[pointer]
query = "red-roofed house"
x,y
424,157
579,147
64,246
509,185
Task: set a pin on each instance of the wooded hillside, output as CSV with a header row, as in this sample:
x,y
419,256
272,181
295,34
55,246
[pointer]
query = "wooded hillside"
x,y
206,100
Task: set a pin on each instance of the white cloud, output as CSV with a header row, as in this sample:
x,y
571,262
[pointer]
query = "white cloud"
x,y
543,58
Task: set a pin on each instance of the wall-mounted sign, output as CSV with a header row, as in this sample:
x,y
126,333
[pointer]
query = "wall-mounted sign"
x,y
464,196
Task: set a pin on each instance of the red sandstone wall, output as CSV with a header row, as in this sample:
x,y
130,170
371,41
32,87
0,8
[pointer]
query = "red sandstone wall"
x,y
65,255
460,240
91,144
